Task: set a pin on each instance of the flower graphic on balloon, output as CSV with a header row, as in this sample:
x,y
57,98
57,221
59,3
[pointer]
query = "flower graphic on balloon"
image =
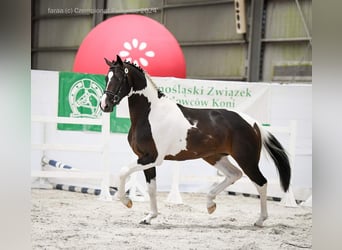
x,y
136,53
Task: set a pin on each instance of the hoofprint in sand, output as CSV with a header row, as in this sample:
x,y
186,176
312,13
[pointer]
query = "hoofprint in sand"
x,y
67,220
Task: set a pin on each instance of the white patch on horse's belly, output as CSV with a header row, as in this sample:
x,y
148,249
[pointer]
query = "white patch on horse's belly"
x,y
169,128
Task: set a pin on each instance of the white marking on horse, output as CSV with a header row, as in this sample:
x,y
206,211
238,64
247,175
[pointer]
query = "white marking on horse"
x,y
195,123
152,191
263,199
232,174
104,96
103,101
110,75
163,124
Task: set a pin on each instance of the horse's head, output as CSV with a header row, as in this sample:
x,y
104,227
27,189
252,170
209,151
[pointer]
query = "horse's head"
x,y
117,85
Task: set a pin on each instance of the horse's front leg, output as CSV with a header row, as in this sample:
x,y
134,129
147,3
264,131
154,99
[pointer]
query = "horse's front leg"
x,y
121,194
124,173
150,175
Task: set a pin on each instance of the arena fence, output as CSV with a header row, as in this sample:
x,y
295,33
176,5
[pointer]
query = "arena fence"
x,y
102,176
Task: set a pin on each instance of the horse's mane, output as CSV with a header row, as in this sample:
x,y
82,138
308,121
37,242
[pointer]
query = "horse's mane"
x,y
146,75
151,81
135,66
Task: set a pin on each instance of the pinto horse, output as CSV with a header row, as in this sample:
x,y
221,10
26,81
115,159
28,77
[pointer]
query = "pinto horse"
x,y
164,130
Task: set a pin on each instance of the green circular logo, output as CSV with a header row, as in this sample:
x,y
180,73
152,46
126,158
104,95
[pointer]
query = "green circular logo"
x,y
84,98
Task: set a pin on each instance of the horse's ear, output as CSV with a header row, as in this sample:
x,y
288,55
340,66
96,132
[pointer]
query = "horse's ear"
x,y
118,60
109,63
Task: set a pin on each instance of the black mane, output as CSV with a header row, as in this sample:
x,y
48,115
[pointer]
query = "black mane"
x,y
135,66
160,94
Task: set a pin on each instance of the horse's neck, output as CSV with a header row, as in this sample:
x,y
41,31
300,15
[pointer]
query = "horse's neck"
x,y
140,101
150,91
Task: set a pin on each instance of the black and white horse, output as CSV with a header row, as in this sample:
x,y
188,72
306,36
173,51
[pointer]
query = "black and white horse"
x,y
164,130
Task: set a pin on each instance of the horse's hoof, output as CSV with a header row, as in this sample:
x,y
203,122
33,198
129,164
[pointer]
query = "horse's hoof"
x,y
258,224
129,203
212,208
144,222
260,221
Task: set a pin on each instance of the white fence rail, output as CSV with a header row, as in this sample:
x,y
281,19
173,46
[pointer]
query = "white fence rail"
x,y
103,148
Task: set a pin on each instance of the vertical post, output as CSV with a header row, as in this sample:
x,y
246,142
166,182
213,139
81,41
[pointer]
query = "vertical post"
x,y
44,138
292,143
163,16
174,195
254,46
43,182
35,32
289,200
308,202
105,132
98,16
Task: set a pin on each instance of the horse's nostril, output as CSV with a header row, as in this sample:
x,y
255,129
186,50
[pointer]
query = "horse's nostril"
x,y
116,98
104,107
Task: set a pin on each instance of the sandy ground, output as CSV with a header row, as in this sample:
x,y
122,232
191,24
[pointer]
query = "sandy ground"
x,y
66,220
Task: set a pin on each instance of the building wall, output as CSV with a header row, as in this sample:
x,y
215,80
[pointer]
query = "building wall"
x,y
205,30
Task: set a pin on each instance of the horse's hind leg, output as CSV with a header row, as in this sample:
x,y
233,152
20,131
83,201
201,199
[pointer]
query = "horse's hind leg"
x,y
247,155
260,182
262,190
231,172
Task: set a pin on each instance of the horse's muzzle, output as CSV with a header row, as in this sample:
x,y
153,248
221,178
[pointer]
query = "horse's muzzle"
x,y
105,106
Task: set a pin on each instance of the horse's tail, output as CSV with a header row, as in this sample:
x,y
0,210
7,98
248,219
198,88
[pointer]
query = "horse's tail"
x,y
278,155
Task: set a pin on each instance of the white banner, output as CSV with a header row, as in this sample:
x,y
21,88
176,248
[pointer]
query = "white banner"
x,y
249,98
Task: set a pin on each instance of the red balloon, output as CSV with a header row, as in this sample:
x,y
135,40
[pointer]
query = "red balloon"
x,y
135,38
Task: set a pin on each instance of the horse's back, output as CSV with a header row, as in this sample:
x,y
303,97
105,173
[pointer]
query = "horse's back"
x,y
216,118
220,130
